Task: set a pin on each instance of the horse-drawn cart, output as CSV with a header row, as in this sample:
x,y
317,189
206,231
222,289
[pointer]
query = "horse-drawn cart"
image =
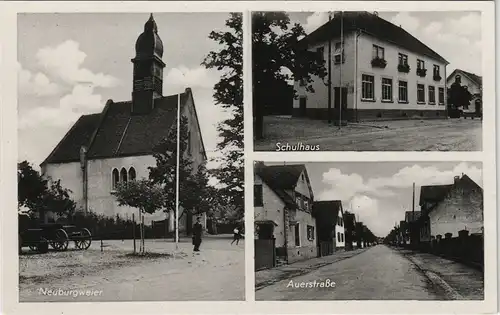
x,y
56,235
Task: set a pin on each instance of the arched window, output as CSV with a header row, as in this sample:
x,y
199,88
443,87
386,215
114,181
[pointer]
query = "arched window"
x,y
123,175
116,178
131,174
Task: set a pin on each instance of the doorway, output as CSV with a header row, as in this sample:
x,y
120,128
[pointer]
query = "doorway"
x,y
302,106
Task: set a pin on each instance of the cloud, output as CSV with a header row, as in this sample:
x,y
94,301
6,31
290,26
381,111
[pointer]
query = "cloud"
x,y
80,101
35,84
406,21
64,62
196,77
315,20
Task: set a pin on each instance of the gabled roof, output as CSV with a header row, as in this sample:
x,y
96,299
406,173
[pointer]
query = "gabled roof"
x,y
473,77
116,132
436,193
327,210
281,178
349,219
373,25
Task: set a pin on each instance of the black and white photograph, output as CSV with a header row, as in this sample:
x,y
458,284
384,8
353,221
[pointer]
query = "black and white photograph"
x,y
367,81
369,231
119,199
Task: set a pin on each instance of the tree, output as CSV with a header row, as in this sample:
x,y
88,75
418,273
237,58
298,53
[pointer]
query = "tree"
x,y
141,194
192,183
276,49
36,194
228,93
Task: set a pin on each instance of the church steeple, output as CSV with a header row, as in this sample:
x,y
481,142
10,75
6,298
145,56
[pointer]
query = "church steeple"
x,y
148,69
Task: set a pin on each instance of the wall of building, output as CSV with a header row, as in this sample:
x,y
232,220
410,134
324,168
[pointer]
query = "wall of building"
x,y
460,210
196,144
391,52
342,75
272,209
70,175
471,86
340,243
307,247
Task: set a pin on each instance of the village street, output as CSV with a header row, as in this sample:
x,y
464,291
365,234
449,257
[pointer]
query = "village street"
x,y
381,273
216,273
407,135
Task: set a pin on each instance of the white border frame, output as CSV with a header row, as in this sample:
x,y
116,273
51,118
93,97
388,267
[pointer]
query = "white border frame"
x,y
8,193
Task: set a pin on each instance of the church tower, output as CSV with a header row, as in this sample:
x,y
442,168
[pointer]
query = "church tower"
x,y
148,69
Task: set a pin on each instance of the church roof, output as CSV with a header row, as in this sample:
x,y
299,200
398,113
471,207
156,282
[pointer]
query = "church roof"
x,y
116,132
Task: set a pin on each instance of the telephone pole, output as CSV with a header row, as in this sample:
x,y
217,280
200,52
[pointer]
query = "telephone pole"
x,y
341,61
329,83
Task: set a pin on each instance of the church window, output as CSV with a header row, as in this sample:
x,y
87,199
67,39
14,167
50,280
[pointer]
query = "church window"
x,y
123,175
116,178
131,174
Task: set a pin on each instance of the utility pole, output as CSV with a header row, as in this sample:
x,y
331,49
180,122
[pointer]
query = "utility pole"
x,y
412,222
341,61
177,172
329,83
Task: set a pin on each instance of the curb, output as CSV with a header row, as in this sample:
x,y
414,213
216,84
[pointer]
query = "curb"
x,y
438,282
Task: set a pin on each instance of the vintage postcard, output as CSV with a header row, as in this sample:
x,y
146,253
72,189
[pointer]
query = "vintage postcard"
x,y
259,157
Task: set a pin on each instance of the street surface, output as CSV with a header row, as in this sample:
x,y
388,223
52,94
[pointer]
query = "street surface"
x,y
407,135
378,273
217,273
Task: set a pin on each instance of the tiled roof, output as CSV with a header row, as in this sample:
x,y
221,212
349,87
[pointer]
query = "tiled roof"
x,y
474,77
280,178
373,25
327,210
117,132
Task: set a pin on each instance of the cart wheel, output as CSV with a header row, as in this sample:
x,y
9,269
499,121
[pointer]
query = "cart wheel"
x,y
85,239
60,241
43,246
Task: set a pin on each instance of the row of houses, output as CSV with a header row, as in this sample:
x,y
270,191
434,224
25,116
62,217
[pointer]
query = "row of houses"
x,y
376,69
449,221
290,225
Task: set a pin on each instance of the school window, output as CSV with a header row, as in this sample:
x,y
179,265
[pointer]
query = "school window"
x,y
367,83
338,236
432,95
386,89
436,70
420,64
306,205
310,232
258,198
131,174
420,93
403,59
297,234
339,53
441,96
297,201
123,175
321,52
342,237
403,92
378,52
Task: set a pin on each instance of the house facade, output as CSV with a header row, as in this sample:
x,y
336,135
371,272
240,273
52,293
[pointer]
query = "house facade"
x,y
329,216
450,209
283,202
378,70
473,82
101,150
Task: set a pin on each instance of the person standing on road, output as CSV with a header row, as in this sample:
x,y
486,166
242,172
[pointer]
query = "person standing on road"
x,y
197,231
236,236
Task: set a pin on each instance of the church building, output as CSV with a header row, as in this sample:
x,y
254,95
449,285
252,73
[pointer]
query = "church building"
x,y
116,145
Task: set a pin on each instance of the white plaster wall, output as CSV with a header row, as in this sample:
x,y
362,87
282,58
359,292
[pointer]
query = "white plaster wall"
x,y
71,178
303,188
341,230
272,209
365,48
344,72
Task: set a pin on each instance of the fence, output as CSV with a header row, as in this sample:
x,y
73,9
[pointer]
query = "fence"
x,y
325,248
265,254
468,249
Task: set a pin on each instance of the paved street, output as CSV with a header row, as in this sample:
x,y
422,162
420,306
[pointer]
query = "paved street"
x,y
378,273
408,135
217,273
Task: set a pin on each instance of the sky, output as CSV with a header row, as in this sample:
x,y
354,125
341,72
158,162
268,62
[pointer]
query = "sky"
x,y
456,36
70,64
379,193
